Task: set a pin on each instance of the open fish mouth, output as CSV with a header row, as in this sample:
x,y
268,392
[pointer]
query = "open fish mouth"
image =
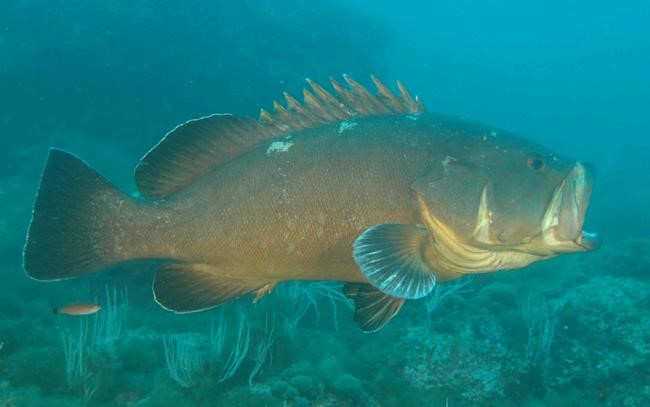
x,y
565,215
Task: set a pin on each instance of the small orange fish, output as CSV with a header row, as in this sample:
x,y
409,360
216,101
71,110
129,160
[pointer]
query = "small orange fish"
x,y
78,309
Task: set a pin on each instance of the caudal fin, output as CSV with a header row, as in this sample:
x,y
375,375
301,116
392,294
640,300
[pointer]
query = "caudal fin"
x,y
71,233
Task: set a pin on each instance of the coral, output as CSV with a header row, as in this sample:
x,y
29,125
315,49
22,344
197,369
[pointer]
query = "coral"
x,y
36,366
301,402
292,393
604,332
499,294
306,386
630,258
473,362
349,388
279,389
249,396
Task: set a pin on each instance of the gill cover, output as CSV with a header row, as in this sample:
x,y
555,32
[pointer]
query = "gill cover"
x,y
453,189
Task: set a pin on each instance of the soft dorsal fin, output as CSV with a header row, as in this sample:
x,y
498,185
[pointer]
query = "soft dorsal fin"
x,y
193,149
198,146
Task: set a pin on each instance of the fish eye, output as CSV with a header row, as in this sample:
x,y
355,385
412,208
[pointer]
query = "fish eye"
x,y
536,163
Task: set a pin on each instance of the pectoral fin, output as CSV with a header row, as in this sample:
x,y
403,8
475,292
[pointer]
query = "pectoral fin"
x,y
391,256
372,308
187,287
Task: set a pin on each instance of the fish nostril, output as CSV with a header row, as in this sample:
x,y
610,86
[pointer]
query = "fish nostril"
x,y
536,162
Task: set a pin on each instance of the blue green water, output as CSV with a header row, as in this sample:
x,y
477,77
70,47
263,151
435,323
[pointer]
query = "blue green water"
x,y
107,79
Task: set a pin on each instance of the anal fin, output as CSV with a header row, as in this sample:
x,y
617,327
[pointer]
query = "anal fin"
x,y
372,308
190,287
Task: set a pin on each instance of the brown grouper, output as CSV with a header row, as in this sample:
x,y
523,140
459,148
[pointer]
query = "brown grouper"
x,y
353,186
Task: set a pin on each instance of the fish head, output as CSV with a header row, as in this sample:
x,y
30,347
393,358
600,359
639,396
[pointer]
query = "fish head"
x,y
501,193
535,201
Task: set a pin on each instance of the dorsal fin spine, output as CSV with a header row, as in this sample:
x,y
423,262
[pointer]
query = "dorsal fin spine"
x,y
285,116
316,107
334,106
412,105
372,103
267,120
345,95
390,98
306,117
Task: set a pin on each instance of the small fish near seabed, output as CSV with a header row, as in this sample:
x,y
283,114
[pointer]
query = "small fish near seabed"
x,y
79,309
363,188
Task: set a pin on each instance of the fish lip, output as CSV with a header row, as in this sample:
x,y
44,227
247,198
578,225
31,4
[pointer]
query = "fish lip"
x,y
565,216
581,179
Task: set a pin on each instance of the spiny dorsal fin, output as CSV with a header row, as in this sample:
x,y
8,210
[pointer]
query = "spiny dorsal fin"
x,y
196,147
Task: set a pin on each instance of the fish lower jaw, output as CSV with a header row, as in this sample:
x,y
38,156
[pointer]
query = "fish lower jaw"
x,y
465,259
549,244
498,261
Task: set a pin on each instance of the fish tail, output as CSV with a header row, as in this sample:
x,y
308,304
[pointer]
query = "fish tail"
x,y
72,231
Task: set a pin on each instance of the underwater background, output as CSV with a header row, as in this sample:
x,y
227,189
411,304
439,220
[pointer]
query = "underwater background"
x,y
107,79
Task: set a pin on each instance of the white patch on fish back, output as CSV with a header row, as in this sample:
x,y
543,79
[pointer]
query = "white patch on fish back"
x,y
279,147
412,117
346,125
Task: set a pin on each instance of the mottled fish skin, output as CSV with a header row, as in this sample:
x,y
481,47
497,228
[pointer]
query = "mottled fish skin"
x,y
78,309
294,213
364,189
